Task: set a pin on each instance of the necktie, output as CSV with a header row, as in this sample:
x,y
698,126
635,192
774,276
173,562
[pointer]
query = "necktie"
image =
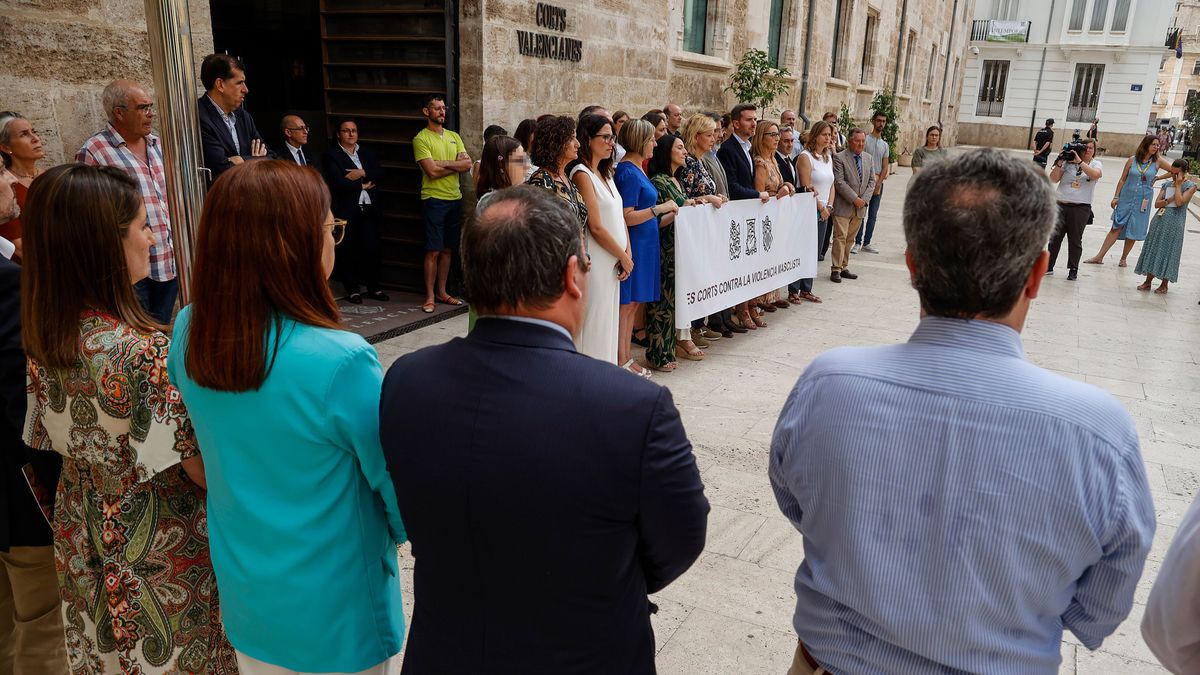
x,y
300,154
858,165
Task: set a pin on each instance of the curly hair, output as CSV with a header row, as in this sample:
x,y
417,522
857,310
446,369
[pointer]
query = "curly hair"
x,y
552,134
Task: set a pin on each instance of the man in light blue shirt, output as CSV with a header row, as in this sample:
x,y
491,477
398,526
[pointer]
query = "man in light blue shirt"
x,y
960,506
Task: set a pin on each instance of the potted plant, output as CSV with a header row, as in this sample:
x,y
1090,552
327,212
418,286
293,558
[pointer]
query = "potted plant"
x,y
754,80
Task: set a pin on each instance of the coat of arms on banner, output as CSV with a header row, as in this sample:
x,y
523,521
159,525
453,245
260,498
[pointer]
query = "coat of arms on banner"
x,y
767,236
751,238
735,240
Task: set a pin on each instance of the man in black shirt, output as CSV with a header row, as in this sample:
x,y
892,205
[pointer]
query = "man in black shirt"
x,y
1042,143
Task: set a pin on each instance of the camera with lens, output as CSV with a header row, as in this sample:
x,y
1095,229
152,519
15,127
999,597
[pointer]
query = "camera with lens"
x,y
1076,146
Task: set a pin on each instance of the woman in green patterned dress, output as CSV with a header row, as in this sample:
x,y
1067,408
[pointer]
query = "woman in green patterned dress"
x,y
669,156
1164,244
130,534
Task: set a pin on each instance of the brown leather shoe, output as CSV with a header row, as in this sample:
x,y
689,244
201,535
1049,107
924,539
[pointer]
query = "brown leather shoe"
x,y
847,274
835,277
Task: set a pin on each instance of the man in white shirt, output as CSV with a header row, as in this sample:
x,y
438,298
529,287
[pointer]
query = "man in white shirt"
x,y
295,136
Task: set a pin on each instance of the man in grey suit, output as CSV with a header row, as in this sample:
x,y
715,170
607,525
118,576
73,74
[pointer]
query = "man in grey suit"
x,y
854,181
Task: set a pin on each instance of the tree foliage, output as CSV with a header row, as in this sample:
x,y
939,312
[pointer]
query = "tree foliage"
x,y
756,81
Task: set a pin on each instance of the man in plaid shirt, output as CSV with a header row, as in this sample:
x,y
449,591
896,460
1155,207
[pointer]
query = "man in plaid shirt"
x,y
128,144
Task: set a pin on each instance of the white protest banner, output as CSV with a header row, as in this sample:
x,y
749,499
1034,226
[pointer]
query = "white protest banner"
x,y
740,251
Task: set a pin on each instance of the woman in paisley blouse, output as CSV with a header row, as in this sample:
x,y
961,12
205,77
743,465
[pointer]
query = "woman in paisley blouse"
x,y
557,147
664,342
130,533
699,133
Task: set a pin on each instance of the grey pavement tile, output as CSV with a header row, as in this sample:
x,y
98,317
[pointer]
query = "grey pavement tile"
x,y
730,530
708,643
740,490
741,454
1181,483
1116,386
1170,454
1127,639
776,544
1067,667
737,589
666,620
1107,663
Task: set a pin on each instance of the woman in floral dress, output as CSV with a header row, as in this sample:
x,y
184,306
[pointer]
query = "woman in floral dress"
x,y
130,533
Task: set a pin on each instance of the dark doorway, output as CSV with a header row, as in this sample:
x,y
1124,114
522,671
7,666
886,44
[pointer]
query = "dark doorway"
x,y
372,60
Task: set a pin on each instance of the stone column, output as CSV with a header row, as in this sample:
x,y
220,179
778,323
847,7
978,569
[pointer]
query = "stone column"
x,y
168,25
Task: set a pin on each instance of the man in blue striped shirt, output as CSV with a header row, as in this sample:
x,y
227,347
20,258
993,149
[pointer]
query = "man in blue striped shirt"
x,y
960,506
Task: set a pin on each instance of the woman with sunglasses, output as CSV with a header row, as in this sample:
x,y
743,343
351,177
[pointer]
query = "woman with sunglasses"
x,y
607,237
302,514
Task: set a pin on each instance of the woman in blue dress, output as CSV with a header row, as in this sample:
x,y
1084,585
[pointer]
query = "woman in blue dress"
x,y
1133,200
1164,245
639,200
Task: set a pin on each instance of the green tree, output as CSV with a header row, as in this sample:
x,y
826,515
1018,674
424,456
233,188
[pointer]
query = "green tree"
x,y
885,102
1192,116
756,81
845,120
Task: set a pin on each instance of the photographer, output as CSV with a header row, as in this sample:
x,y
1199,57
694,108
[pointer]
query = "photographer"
x,y
1076,170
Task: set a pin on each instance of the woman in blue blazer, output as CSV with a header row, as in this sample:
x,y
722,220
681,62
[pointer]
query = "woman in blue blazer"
x,y
302,518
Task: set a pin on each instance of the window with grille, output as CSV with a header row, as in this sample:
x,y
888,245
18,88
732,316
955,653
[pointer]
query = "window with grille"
x,y
1085,92
992,86
1005,9
695,26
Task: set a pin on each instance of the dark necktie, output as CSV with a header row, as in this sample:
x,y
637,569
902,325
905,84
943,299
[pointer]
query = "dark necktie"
x,y
858,165
300,155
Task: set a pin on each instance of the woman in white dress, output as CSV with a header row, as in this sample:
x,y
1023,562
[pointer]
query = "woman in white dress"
x,y
814,166
607,237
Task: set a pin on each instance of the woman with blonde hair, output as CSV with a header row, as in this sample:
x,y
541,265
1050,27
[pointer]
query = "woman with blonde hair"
x,y
699,138
814,167
767,179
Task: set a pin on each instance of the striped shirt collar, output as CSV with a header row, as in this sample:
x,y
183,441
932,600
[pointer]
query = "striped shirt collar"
x,y
115,138
973,334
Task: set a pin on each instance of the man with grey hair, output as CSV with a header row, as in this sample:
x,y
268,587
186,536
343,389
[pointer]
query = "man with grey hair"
x,y
128,143
854,182
578,469
674,115
959,505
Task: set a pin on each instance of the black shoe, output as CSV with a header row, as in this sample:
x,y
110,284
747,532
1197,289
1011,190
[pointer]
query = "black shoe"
x,y
1049,271
835,277
355,298
1072,275
847,274
643,341
378,295
721,327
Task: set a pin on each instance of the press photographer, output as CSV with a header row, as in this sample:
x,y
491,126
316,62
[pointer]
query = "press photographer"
x,y
1076,170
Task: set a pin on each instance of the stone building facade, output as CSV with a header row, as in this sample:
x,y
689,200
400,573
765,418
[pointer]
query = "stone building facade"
x,y
1179,77
1074,61
637,56
56,56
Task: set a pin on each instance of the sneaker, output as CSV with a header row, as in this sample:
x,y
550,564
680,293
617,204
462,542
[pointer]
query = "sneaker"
x,y
1072,275
869,248
856,248
698,339
1049,271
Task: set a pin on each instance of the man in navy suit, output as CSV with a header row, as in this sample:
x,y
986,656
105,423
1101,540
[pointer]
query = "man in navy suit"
x,y
561,491
295,137
227,131
734,154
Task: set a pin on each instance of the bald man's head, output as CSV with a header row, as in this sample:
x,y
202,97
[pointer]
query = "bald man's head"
x,y
295,131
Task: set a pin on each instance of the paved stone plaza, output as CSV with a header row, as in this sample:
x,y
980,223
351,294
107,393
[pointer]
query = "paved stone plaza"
x,y
731,613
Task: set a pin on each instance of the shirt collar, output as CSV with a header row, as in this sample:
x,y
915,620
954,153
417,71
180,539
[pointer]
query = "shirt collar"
x,y
220,110
117,140
530,320
744,143
972,334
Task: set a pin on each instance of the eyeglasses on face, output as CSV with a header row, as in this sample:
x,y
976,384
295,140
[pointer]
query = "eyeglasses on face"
x,y
771,133
607,138
304,129
143,108
338,229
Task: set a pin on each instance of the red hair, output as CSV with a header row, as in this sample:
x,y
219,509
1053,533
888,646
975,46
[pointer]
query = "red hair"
x,y
258,261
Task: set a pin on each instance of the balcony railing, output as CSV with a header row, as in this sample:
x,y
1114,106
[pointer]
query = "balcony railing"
x,y
998,30
1172,37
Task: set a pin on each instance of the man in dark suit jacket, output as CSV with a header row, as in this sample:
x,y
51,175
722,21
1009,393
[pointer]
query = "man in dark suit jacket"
x,y
735,156
227,131
565,488
352,173
783,156
295,137
31,629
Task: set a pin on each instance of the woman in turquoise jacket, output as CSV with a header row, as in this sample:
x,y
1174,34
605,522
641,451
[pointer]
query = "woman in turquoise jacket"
x,y
302,520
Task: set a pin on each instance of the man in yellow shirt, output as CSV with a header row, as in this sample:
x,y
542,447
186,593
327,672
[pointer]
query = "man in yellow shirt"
x,y
442,157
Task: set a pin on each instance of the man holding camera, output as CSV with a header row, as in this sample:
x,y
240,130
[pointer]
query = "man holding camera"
x,y
1076,170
